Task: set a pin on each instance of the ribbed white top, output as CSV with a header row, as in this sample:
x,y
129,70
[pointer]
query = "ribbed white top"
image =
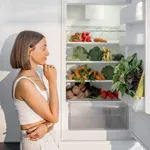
x,y
25,114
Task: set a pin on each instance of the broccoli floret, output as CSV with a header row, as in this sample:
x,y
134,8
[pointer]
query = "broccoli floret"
x,y
95,54
108,72
80,52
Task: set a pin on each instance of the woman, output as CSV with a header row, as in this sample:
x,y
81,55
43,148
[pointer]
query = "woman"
x,y
37,109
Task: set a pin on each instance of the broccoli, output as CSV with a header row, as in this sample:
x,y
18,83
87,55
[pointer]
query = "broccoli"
x,y
80,52
108,72
95,54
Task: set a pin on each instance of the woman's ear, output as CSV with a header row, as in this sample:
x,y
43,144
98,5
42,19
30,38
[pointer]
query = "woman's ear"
x,y
30,51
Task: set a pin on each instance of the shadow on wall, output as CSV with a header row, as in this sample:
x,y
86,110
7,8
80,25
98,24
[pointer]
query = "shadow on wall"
x,y
6,101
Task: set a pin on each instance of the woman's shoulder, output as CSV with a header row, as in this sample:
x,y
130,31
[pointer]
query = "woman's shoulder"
x,y
23,80
21,83
20,86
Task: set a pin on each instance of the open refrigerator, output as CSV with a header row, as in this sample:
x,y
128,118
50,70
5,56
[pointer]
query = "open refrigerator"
x,y
124,26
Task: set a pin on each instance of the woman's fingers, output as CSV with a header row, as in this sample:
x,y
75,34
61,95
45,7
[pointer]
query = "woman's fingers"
x,y
45,67
50,73
32,129
33,135
52,66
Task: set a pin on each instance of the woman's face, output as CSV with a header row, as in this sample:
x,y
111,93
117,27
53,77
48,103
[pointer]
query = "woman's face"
x,y
40,52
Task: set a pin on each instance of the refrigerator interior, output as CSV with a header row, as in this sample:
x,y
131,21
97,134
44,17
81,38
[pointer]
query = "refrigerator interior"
x,y
124,35
96,114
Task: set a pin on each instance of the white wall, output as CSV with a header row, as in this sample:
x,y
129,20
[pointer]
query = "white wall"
x,y
42,16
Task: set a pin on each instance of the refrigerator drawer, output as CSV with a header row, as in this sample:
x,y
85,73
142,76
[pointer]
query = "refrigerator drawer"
x,y
98,115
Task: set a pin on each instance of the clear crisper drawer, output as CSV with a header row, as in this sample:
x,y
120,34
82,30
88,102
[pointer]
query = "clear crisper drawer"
x,y
103,115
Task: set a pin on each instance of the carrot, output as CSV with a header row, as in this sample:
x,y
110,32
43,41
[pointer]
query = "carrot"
x,y
81,68
71,77
77,73
102,76
95,72
98,77
99,40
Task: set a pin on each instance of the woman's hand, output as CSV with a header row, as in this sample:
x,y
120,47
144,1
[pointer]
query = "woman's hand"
x,y
37,132
50,73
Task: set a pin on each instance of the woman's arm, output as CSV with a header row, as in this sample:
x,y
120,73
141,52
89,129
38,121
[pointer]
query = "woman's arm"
x,y
53,104
28,92
51,75
37,132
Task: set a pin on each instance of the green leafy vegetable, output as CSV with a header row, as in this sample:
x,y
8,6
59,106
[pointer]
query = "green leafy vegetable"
x,y
127,75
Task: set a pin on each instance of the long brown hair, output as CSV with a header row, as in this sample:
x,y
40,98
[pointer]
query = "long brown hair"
x,y
19,56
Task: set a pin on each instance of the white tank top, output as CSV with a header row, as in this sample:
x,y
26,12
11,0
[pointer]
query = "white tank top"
x,y
25,114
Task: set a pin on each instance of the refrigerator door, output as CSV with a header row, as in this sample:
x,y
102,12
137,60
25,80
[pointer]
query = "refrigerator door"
x,y
147,52
136,41
141,121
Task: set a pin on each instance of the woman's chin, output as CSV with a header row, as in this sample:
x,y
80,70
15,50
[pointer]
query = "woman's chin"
x,y
42,63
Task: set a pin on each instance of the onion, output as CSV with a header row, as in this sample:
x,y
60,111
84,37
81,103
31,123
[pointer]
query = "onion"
x,y
69,94
80,95
87,93
76,90
82,87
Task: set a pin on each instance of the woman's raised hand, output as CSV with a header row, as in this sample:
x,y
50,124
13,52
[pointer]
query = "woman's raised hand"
x,y
50,73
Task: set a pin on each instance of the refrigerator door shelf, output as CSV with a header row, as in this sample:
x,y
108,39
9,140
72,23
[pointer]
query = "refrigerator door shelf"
x,y
132,14
137,104
136,40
